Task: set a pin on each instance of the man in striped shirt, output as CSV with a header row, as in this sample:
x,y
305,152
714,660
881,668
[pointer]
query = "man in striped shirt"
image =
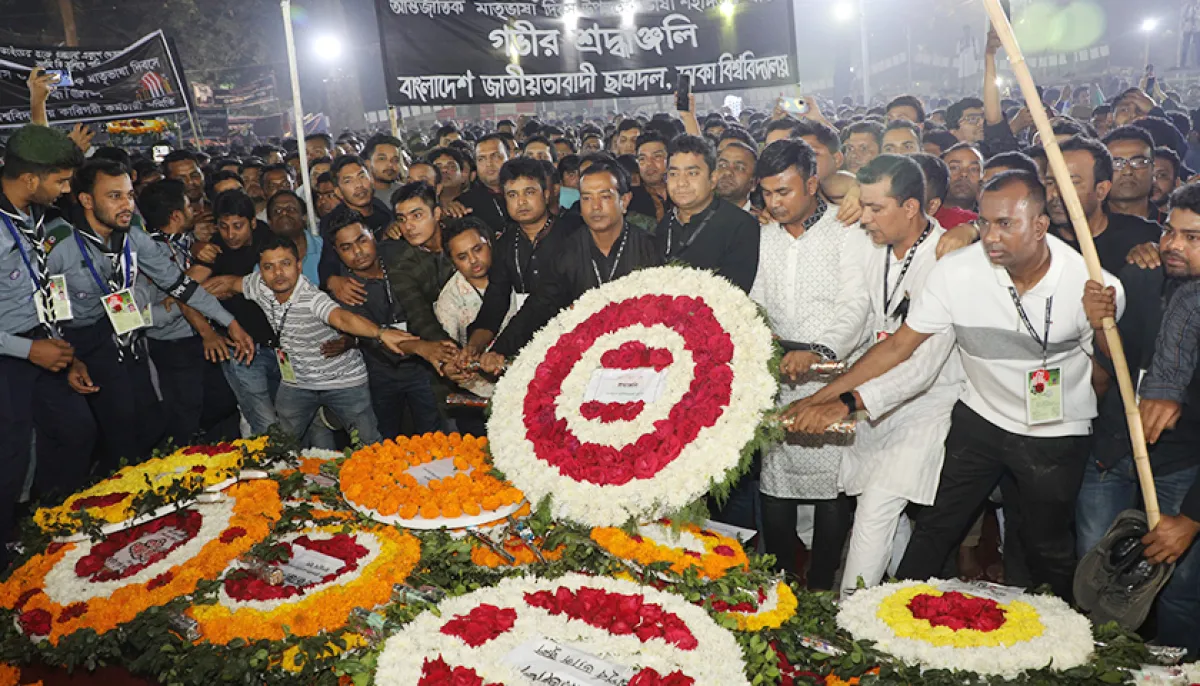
x,y
304,318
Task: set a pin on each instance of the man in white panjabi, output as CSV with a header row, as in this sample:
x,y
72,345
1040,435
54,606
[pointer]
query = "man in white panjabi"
x,y
808,282
896,458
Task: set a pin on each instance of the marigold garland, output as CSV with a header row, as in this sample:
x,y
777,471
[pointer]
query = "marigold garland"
x,y
721,553
376,478
111,500
136,127
1021,623
255,509
513,545
784,608
327,607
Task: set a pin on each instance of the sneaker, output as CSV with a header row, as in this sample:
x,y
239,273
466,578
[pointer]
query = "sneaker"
x,y
1114,580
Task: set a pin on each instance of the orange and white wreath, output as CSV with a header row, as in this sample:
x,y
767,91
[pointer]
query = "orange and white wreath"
x,y
708,551
101,585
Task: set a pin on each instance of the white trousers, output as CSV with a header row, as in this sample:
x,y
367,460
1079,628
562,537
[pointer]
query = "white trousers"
x,y
877,542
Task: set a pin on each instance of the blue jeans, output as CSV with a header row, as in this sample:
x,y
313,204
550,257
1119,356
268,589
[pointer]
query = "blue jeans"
x,y
297,407
408,384
1103,496
255,386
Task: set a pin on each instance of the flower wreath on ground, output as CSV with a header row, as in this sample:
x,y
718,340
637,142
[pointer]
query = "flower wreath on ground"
x,y
340,569
427,481
101,585
519,627
114,499
697,352
919,623
691,546
772,606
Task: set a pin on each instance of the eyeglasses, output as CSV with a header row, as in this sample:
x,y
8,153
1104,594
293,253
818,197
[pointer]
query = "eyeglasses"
x,y
284,209
1137,163
972,119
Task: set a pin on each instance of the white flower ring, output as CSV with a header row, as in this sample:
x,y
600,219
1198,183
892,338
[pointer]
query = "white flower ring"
x,y
643,462
714,658
1065,640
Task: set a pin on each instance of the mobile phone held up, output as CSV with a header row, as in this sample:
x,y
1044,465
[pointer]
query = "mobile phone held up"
x,y
796,106
160,152
61,78
683,91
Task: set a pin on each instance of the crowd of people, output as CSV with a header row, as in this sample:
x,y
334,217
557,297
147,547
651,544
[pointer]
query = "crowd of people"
x,y
151,303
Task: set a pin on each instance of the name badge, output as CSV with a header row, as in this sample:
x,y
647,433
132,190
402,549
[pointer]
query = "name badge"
x,y
287,373
60,301
123,311
1043,395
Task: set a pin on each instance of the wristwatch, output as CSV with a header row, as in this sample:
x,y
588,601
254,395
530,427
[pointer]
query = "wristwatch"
x,y
849,401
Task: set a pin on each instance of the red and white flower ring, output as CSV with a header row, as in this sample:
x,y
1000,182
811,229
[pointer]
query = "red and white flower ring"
x,y
605,464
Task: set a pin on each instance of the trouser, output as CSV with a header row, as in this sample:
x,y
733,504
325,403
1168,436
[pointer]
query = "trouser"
x,y
876,523
407,384
743,508
1104,495
33,398
297,407
219,420
126,407
830,524
255,386
1046,477
180,364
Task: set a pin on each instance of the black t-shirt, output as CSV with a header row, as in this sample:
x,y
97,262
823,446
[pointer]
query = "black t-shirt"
x,y
241,262
1124,233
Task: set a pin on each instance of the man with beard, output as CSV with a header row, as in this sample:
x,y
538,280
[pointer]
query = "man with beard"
x,y
286,215
1132,150
861,142
38,164
182,166
1158,330
806,238
276,178
735,174
195,394
966,176
383,154
608,249
519,259
485,198
396,380
97,260
354,189
703,230
1166,179
651,197
1115,235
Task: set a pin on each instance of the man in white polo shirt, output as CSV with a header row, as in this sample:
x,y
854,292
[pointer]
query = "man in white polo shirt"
x,y
1013,303
304,318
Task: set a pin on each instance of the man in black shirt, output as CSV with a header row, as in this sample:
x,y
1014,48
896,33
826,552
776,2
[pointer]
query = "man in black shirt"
x,y
518,255
608,250
254,384
1132,150
703,230
484,198
1091,168
395,380
356,190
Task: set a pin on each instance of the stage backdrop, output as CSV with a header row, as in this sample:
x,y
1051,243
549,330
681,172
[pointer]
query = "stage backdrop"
x,y
136,82
462,51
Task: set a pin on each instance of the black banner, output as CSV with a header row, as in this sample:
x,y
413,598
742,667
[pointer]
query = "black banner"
x,y
445,52
213,122
137,82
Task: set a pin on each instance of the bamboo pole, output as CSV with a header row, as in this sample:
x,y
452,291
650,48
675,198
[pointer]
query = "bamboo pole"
x,y
1058,166
285,6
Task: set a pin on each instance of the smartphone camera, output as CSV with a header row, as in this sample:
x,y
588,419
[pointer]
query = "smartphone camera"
x,y
682,92
60,77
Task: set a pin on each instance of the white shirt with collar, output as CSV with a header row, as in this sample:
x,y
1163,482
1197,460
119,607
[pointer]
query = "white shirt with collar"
x,y
968,296
813,292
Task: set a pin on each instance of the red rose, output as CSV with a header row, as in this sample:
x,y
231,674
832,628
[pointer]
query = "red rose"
x,y
232,534
724,550
35,622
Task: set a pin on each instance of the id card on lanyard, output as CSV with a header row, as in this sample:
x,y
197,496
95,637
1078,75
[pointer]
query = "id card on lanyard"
x,y
287,372
120,305
59,297
1043,390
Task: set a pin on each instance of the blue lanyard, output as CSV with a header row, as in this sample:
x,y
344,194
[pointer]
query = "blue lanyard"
x,y
92,268
24,256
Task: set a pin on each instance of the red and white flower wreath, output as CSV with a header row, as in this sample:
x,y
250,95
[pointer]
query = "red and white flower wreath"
x,y
660,636
607,463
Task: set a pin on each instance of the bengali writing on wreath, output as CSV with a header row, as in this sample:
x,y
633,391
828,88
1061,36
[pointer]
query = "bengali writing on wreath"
x,y
661,31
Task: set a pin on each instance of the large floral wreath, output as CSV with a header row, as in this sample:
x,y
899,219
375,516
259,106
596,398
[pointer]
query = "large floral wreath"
x,y
113,500
920,623
701,349
99,586
709,552
372,561
649,632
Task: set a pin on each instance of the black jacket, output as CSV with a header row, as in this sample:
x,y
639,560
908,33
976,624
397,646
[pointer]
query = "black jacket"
x,y
517,266
378,222
722,238
485,205
570,273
